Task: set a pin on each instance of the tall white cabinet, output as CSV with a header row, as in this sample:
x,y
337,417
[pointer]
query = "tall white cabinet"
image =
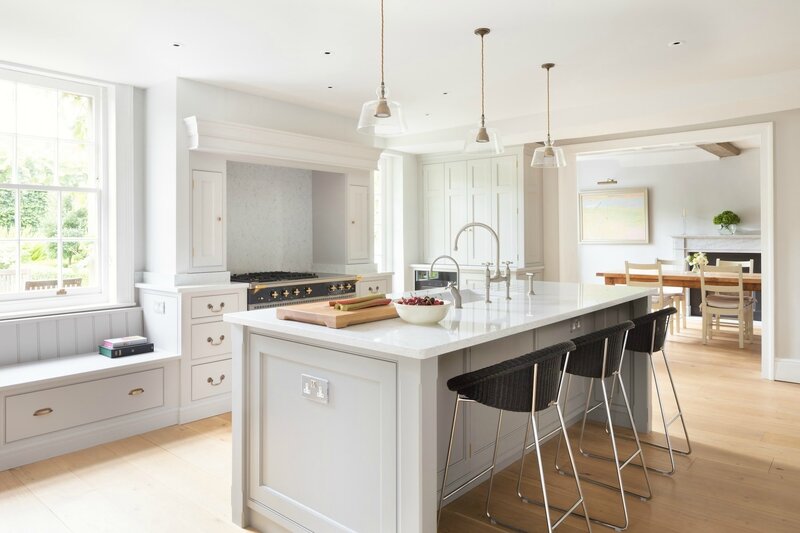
x,y
501,191
208,220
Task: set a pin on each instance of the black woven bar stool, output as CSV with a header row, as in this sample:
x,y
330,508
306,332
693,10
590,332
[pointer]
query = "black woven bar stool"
x,y
525,384
648,337
599,356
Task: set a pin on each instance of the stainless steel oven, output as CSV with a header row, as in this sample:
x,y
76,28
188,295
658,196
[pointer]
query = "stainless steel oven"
x,y
424,280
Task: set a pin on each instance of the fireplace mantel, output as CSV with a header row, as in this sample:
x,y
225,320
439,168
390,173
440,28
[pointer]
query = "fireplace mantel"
x,y
743,242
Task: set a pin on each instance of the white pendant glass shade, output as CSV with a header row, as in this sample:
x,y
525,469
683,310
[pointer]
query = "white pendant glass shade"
x,y
548,156
381,117
491,141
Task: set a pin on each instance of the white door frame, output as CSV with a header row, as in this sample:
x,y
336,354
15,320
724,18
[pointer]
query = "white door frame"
x,y
568,210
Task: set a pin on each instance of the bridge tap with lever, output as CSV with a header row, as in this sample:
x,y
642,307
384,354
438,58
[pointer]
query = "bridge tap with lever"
x,y
497,276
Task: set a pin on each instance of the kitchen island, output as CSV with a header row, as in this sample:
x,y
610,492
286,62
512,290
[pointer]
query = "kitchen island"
x,y
346,430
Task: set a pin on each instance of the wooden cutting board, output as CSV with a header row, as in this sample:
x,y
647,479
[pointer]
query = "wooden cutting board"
x,y
322,314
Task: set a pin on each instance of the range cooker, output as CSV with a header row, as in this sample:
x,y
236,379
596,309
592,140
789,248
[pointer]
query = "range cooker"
x,y
276,289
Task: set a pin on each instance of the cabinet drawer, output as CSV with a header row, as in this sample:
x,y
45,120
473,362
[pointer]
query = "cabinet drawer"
x,y
373,286
211,379
211,338
36,413
203,306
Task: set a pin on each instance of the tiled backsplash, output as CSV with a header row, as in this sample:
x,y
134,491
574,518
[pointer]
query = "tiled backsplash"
x,y
269,218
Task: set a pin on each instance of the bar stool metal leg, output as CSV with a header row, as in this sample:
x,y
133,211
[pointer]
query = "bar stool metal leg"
x,y
666,423
537,441
447,461
493,467
619,466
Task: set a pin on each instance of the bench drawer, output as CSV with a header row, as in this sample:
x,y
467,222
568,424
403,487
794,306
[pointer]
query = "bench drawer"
x,y
203,306
211,379
40,412
209,339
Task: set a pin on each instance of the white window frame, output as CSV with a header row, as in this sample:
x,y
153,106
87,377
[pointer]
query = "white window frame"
x,y
106,294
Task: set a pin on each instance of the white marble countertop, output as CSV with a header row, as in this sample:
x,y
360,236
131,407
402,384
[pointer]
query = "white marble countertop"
x,y
476,323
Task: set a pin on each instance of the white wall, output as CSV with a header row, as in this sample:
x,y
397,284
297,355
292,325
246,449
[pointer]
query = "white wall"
x,y
269,218
703,188
160,196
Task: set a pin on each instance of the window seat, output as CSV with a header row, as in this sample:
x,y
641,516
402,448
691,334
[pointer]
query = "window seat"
x,y
88,366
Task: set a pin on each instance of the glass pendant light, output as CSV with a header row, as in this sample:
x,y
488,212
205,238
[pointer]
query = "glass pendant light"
x,y
548,156
381,117
482,139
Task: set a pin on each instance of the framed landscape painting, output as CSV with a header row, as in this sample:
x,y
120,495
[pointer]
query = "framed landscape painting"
x,y
614,217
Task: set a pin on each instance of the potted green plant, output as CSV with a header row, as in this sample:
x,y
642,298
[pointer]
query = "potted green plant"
x,y
727,221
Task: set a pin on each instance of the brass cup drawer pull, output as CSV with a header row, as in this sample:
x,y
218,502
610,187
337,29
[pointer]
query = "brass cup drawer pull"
x,y
136,392
212,343
211,382
43,412
218,309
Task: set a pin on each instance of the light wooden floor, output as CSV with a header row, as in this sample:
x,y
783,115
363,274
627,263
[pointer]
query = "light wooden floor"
x,y
744,474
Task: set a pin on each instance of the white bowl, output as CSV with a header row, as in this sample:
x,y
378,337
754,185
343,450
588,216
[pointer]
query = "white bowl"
x,y
422,314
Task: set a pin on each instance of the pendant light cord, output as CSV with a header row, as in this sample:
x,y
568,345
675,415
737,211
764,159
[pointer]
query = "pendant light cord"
x,y
548,105
483,96
382,32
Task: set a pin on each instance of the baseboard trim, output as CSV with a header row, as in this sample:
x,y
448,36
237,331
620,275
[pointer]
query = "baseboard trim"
x,y
205,408
787,370
44,447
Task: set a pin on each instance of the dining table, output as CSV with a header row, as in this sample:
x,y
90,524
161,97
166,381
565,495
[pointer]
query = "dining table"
x,y
687,279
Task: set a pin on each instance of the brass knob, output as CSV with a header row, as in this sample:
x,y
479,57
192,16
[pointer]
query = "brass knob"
x,y
136,392
43,412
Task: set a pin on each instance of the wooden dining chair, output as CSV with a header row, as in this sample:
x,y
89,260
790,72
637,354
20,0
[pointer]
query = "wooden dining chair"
x,y
658,300
750,265
676,294
726,300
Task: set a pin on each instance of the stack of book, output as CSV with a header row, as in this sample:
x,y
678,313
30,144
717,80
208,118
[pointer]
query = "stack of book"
x,y
122,346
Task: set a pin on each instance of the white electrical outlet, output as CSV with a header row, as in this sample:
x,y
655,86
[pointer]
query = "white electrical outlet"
x,y
313,388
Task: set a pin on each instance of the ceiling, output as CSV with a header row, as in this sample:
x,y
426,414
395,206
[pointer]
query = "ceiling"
x,y
605,51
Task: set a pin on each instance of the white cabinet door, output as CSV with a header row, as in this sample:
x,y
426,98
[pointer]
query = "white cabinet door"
x,y
456,214
358,233
433,211
309,461
208,247
479,209
505,212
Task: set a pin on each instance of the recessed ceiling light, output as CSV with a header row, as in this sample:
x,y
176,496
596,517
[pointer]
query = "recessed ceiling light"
x,y
176,45
427,114
675,43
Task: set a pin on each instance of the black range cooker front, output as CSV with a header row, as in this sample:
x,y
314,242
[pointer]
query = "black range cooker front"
x,y
262,296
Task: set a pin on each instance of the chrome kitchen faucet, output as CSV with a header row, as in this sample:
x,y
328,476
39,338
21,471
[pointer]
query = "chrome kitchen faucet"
x,y
497,276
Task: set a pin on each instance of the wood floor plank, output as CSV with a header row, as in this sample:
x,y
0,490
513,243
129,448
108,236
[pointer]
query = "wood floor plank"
x,y
21,510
